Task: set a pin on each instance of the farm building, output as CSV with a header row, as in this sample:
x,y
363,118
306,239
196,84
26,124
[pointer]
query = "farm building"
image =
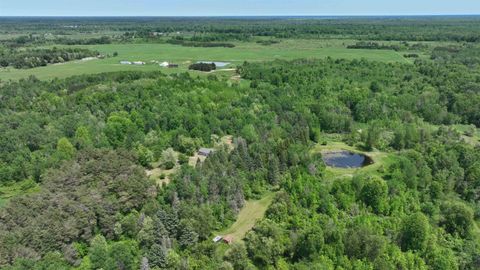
x,y
125,62
217,239
139,63
205,152
164,64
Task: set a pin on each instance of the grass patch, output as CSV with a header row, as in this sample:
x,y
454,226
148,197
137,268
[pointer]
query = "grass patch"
x,y
162,176
252,211
7,192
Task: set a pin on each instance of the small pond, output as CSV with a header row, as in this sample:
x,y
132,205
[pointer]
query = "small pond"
x,y
218,64
345,159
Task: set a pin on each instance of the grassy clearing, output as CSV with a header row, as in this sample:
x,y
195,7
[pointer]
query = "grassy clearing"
x,y
250,213
380,159
469,133
244,51
162,176
9,191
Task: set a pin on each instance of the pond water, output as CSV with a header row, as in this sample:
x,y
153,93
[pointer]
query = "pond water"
x,y
218,64
345,159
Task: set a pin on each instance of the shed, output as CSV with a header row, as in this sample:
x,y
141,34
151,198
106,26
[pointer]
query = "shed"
x,y
205,151
228,239
164,64
125,62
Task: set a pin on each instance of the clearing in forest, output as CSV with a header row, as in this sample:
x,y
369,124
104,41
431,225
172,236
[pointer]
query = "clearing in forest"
x,y
244,51
380,160
252,211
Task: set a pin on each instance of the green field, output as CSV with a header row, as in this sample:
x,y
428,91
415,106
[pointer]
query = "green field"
x,y
250,213
288,49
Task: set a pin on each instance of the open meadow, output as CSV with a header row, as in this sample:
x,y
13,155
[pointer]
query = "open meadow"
x,y
184,56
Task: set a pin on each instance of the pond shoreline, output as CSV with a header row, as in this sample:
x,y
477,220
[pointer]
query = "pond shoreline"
x,y
346,159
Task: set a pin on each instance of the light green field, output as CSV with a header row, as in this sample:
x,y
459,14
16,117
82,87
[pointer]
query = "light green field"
x,y
250,213
9,191
288,49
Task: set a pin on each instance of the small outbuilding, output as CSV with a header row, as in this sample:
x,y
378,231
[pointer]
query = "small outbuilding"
x,y
228,239
139,63
205,151
217,239
125,62
164,64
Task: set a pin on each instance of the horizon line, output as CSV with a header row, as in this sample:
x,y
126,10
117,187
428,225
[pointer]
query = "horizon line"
x,y
249,15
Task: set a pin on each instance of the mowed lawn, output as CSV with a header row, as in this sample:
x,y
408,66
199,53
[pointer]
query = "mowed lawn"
x,y
289,49
252,211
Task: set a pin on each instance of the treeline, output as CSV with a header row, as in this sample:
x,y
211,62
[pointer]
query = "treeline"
x,y
373,46
189,43
87,41
29,40
203,66
457,29
31,58
466,55
268,42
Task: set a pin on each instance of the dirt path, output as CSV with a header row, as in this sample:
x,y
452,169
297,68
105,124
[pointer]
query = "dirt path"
x,y
252,211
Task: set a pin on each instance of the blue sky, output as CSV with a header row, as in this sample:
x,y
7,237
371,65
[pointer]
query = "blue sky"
x,y
237,7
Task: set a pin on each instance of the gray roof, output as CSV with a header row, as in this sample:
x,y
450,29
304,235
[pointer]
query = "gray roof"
x,y
205,150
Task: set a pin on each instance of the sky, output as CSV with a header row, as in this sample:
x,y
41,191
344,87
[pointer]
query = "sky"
x,y
235,8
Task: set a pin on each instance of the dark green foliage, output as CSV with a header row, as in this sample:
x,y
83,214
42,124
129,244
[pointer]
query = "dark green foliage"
x,y
373,46
98,252
188,43
206,67
84,203
42,57
122,255
414,232
374,194
363,243
458,219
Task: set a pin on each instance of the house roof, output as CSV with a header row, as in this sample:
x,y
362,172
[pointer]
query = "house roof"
x,y
205,150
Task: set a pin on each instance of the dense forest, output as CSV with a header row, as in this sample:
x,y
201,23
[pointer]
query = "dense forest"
x,y
205,29
82,147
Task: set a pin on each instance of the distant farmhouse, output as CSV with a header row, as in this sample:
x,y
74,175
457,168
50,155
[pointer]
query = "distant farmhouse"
x,y
168,65
139,63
